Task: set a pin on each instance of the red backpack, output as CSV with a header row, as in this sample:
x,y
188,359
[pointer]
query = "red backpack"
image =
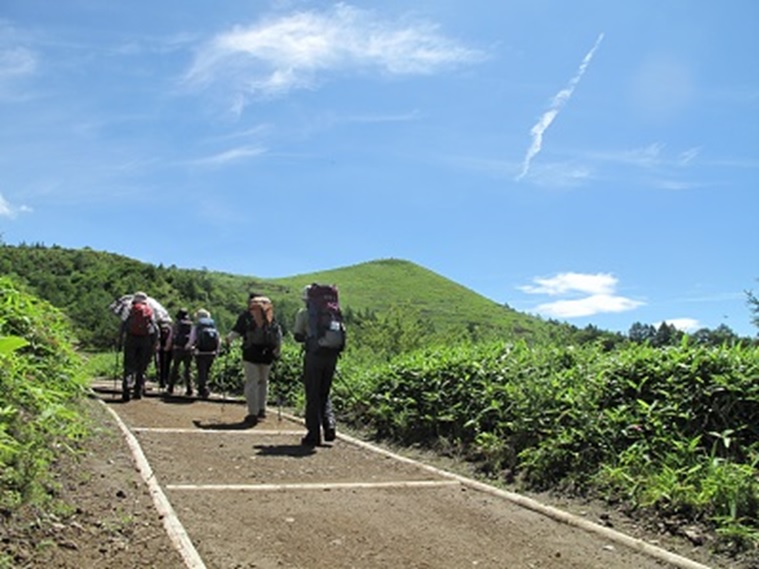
x,y
140,319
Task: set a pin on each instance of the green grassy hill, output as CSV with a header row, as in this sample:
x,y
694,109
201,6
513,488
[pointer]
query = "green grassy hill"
x,y
82,282
376,285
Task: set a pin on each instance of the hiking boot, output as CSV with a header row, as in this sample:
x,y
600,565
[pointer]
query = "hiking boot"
x,y
137,394
262,414
125,396
330,435
250,420
309,442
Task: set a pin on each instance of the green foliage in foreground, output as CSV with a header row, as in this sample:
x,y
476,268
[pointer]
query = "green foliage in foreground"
x,y
672,430
39,385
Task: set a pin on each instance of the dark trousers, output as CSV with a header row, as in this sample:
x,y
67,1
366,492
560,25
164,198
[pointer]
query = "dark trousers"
x,y
163,365
137,353
203,363
181,358
319,370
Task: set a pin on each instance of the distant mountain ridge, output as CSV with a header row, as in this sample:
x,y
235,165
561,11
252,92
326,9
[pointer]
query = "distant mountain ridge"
x,y
374,285
82,282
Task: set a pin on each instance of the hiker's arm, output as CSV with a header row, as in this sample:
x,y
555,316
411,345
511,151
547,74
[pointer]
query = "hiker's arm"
x,y
237,330
300,329
278,347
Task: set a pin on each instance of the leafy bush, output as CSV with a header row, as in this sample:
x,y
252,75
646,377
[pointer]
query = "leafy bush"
x,y
40,379
673,429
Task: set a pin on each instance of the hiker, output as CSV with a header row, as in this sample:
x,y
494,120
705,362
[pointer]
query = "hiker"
x,y
319,327
181,351
205,340
261,344
138,336
163,352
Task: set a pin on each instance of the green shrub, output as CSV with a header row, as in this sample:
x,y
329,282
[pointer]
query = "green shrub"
x,y
40,381
674,429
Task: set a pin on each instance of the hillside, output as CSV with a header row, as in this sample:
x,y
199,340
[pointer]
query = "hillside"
x,y
82,282
375,285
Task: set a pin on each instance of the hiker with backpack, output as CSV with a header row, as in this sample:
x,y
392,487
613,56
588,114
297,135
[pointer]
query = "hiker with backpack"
x,y
261,344
320,328
205,340
138,337
181,351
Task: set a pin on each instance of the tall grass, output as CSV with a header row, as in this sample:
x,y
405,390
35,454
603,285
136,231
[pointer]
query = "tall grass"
x,y
675,430
40,382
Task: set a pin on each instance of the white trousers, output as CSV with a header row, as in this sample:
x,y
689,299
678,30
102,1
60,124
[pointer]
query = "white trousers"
x,y
256,386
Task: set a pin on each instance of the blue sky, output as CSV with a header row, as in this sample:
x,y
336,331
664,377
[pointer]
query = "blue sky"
x,y
590,161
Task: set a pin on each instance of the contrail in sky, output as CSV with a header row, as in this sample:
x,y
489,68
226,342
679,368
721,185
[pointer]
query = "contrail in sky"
x,y
559,100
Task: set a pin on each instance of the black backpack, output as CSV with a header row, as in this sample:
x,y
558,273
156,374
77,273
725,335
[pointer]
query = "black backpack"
x,y
182,333
206,335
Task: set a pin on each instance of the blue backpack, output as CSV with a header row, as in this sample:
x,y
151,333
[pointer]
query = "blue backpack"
x,y
206,335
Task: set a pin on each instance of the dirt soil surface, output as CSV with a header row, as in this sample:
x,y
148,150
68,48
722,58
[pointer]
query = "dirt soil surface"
x,y
216,493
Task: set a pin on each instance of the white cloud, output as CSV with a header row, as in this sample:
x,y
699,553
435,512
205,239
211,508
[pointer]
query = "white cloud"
x,y
588,306
16,61
597,293
10,211
561,174
232,155
599,283
686,157
682,324
559,100
275,56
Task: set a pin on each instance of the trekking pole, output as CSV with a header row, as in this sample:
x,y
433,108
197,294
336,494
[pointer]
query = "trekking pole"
x,y
225,377
115,371
279,395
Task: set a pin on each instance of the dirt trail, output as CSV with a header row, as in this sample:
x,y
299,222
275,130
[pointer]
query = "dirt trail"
x,y
254,498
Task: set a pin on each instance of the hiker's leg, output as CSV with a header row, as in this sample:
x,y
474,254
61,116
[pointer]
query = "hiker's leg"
x,y
263,388
203,364
204,388
312,380
130,367
142,358
174,377
327,416
187,357
165,366
251,387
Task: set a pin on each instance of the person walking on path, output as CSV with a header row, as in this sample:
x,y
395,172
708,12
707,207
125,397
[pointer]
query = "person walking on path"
x,y
316,325
205,340
138,336
181,351
261,344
